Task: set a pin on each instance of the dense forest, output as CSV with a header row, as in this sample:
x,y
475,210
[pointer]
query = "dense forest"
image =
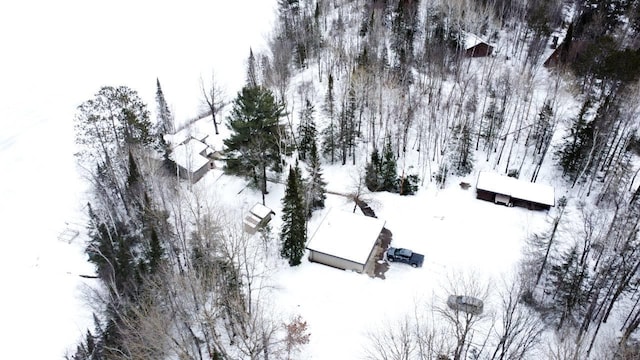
x,y
390,86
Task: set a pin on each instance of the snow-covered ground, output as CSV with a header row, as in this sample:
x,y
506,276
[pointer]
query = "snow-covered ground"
x,y
458,234
54,56
61,53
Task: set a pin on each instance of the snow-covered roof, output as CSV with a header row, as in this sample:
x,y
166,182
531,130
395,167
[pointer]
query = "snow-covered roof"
x,y
471,40
519,189
346,235
260,210
188,155
186,134
189,132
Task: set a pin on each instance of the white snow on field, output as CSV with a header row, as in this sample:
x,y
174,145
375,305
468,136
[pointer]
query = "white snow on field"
x,y
62,52
56,55
455,232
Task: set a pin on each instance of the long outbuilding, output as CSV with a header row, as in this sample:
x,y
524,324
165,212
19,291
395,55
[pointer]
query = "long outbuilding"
x,y
345,240
510,191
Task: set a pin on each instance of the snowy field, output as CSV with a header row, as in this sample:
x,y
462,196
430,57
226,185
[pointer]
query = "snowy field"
x,y
62,53
457,233
55,56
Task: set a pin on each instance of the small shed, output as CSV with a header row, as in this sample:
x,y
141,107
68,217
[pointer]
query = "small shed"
x,y
258,216
345,240
510,191
192,159
474,46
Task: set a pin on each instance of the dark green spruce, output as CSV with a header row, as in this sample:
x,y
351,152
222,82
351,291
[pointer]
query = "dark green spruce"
x,y
316,186
293,235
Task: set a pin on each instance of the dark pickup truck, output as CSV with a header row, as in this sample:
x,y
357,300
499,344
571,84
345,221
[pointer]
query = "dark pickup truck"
x,y
406,256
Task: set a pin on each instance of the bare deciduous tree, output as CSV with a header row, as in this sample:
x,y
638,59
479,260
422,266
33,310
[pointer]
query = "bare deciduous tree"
x,y
463,323
520,328
414,336
565,346
213,98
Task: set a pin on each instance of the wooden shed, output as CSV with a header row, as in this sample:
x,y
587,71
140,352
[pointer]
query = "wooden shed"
x,y
510,191
345,240
474,46
258,216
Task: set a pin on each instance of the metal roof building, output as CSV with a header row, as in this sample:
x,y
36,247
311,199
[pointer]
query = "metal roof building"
x,y
513,192
345,240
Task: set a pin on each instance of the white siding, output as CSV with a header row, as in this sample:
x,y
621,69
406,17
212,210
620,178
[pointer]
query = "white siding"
x,y
335,261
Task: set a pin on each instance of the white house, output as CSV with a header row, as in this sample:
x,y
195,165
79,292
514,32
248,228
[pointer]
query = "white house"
x,y
193,159
345,240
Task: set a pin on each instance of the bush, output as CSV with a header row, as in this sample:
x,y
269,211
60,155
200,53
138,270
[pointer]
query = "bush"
x,y
407,185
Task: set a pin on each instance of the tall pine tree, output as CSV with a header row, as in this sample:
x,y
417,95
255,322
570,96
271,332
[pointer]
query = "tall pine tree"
x,y
164,122
254,144
252,74
574,150
316,187
373,172
389,169
293,235
461,156
307,130
329,134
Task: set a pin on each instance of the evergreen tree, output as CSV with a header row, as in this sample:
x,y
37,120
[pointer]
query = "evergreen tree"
x,y
155,254
493,119
389,171
164,122
329,141
405,25
252,74
108,127
347,136
254,144
112,249
407,185
542,128
461,156
111,122
307,130
316,193
568,278
576,145
134,177
293,235
539,17
373,171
